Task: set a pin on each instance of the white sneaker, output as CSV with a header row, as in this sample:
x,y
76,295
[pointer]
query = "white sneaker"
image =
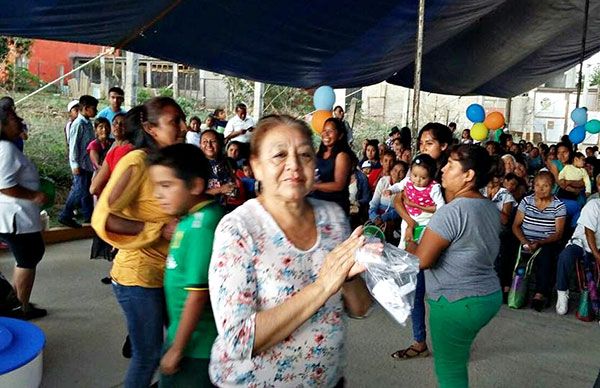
x,y
562,302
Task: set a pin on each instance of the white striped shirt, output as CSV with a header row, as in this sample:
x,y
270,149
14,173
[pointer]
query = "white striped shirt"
x,y
540,224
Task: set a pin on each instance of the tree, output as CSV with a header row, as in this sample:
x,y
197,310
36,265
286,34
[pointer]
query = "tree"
x,y
595,80
277,99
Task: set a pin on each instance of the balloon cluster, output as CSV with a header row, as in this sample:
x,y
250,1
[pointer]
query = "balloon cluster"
x,y
482,124
582,125
323,99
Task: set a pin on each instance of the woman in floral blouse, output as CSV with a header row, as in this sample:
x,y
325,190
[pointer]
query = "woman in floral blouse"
x,y
281,272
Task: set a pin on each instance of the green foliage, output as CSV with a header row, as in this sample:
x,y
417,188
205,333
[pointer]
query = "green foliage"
x,y
22,80
365,128
165,92
595,80
143,95
187,105
23,45
276,99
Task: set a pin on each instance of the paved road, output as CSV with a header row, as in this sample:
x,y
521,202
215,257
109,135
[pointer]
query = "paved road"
x,y
521,348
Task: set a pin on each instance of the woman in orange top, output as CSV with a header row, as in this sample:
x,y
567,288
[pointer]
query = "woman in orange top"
x,y
129,218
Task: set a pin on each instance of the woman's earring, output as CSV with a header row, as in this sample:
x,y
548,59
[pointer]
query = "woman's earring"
x,y
257,187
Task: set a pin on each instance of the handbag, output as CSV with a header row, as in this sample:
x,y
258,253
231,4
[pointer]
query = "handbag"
x,y
518,287
589,305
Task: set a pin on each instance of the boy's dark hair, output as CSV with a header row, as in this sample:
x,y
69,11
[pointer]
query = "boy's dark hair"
x,y
402,163
195,118
389,153
101,120
218,111
186,160
427,162
7,102
240,105
578,155
116,89
246,163
338,107
511,176
87,100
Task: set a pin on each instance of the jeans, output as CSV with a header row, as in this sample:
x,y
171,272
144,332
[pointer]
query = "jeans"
x,y
418,311
144,310
79,196
454,326
566,265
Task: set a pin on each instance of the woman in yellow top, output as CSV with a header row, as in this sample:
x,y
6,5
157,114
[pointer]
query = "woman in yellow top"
x,y
129,218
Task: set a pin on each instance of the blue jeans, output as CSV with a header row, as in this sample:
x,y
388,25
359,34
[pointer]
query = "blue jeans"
x,y
418,311
144,310
566,264
79,196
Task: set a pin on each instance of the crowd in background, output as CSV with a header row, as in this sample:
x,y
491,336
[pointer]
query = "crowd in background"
x,y
281,272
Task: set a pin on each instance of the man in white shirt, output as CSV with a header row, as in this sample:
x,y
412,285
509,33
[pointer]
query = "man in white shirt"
x,y
338,113
240,126
585,241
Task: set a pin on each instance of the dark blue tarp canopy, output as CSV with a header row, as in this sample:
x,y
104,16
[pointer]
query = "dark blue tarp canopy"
x,y
490,47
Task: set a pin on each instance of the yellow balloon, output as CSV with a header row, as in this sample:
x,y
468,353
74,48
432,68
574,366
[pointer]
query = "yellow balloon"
x,y
479,132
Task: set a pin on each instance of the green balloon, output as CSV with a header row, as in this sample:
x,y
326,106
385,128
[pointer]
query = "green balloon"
x,y
48,187
593,126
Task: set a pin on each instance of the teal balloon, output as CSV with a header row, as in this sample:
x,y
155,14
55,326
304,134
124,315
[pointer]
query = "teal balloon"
x,y
324,98
593,126
497,135
577,134
579,116
476,113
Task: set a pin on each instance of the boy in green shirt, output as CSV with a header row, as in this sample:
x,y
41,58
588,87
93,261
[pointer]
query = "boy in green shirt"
x,y
180,173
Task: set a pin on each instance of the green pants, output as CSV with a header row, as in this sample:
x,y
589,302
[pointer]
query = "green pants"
x,y
193,373
454,326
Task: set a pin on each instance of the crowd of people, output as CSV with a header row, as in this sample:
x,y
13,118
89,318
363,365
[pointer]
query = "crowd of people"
x,y
239,237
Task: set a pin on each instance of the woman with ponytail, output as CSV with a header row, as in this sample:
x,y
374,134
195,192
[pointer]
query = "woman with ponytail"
x,y
129,217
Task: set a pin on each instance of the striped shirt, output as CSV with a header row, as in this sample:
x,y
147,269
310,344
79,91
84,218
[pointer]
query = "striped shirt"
x,y
540,224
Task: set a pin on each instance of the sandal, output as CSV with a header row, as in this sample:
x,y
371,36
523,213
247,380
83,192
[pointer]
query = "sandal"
x,y
410,352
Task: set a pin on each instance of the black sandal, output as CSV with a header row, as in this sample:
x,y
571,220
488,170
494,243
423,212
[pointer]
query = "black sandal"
x,y
410,352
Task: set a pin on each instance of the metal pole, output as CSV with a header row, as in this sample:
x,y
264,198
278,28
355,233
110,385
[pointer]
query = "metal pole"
x,y
175,80
417,78
582,57
109,51
258,99
131,81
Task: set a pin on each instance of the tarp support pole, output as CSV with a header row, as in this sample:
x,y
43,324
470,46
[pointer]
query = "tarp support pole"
x,y
581,59
109,51
417,77
259,88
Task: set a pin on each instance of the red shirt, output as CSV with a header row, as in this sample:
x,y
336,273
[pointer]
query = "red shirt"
x,y
115,154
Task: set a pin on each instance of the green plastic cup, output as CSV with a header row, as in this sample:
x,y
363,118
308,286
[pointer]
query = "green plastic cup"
x,y
374,231
48,187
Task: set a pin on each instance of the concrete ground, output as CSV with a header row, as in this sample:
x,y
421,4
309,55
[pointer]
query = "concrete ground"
x,y
85,331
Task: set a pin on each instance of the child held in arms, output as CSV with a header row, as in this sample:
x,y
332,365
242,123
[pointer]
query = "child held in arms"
x,y
180,173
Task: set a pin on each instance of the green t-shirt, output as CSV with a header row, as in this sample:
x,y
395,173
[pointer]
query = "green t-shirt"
x,y
187,270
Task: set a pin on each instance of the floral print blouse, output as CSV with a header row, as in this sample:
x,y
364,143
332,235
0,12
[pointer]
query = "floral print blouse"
x,y
254,268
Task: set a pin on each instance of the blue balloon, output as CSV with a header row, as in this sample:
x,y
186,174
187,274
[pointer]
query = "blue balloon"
x,y
324,98
476,113
577,134
579,116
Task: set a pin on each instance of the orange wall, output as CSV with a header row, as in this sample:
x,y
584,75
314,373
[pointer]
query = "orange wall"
x,y
47,57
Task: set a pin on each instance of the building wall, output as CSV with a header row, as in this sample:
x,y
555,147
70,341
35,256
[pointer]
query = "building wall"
x,y
48,57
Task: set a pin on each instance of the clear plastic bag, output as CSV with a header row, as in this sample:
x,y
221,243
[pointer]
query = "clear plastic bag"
x,y
391,278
